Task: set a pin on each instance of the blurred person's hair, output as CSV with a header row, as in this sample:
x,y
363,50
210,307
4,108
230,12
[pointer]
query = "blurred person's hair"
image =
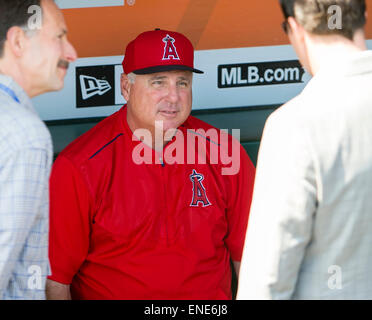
x,y
14,13
314,17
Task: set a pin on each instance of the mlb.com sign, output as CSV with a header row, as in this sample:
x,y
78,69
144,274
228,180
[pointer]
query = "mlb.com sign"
x,y
259,74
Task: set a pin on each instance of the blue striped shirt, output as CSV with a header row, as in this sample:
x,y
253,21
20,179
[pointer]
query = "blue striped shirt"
x,y
25,161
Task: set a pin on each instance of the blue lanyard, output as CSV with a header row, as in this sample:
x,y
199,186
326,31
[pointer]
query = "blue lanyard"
x,y
10,92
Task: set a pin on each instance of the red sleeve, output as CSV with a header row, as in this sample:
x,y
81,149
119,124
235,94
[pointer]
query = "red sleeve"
x,y
69,221
241,190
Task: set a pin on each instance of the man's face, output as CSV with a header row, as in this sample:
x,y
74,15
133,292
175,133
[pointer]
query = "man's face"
x,y
163,96
48,52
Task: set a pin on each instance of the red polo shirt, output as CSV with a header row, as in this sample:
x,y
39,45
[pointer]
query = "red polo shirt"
x,y
121,230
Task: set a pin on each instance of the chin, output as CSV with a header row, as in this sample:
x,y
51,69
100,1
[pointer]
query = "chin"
x,y
58,85
170,125
175,123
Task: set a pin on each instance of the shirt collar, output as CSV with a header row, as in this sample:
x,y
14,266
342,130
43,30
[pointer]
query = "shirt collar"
x,y
21,95
135,141
354,64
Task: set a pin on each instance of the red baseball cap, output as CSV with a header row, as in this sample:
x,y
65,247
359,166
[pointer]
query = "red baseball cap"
x,y
158,51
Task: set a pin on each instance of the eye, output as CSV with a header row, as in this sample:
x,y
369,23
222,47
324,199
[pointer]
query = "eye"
x,y
157,83
62,34
183,84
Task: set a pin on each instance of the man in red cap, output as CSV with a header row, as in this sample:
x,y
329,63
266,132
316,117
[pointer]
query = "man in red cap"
x,y
133,215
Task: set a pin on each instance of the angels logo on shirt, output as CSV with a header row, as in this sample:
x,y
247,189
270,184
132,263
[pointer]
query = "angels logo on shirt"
x,y
198,191
170,51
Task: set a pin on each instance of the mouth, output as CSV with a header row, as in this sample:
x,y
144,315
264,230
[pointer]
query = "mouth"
x,y
168,113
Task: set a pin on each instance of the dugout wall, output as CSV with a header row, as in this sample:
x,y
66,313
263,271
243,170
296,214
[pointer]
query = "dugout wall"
x,y
250,69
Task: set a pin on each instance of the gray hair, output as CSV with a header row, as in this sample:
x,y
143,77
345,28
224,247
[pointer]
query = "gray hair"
x,y
131,77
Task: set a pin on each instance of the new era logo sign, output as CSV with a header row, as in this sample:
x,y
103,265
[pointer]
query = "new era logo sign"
x,y
91,86
95,86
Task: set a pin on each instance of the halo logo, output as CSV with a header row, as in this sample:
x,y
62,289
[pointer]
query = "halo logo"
x,y
170,50
198,190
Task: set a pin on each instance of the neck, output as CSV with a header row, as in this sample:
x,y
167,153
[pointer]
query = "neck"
x,y
10,68
324,50
158,139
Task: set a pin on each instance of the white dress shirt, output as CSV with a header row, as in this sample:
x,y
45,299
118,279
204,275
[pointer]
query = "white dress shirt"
x,y
310,230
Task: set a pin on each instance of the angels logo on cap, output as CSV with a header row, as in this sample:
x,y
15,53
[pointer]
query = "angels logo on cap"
x,y
170,50
159,51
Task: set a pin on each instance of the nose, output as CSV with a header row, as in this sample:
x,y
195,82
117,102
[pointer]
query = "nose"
x,y
70,52
173,94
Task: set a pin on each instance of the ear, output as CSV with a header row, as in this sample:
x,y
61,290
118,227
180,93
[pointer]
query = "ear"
x,y
296,32
295,28
125,86
16,40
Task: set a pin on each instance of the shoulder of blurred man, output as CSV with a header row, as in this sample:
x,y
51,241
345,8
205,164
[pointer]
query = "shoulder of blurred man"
x,y
21,125
325,99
